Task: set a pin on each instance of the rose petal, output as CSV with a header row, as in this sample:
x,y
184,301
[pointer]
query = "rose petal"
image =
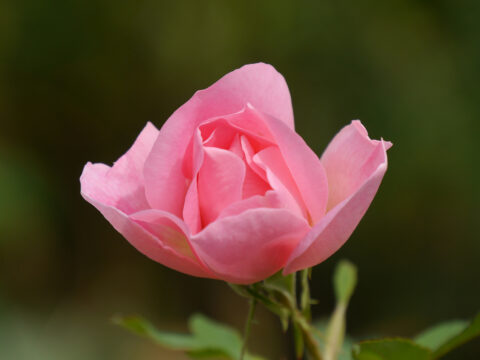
x,y
193,162
271,199
328,235
280,179
122,185
220,182
171,231
347,161
305,168
251,246
258,84
253,184
157,249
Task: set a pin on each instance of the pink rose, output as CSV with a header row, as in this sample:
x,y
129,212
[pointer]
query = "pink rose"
x,y
228,190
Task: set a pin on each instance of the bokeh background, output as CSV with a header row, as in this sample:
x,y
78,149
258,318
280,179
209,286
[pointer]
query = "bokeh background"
x,y
78,81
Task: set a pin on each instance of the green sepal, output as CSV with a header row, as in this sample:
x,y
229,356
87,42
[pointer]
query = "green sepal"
x,y
241,290
283,287
256,291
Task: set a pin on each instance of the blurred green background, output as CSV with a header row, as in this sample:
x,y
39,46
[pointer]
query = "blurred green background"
x,y
78,81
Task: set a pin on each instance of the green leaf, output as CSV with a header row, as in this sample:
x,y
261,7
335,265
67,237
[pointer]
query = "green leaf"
x,y
436,336
390,349
344,280
209,339
213,335
142,327
471,331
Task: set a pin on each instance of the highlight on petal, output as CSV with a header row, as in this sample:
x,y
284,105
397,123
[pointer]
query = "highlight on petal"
x,y
251,246
331,232
122,185
258,84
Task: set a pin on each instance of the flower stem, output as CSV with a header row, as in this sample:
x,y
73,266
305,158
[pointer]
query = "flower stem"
x,y
307,332
305,301
248,325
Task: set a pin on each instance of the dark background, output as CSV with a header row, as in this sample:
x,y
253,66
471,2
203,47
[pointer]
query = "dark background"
x,y
78,81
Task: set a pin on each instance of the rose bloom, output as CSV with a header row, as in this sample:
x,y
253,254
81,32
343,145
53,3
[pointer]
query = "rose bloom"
x,y
227,189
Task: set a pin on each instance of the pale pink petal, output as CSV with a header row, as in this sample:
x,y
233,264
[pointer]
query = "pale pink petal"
x,y
271,199
220,182
253,184
280,179
251,246
219,132
236,147
249,153
247,121
191,208
328,235
194,161
347,161
157,249
193,158
122,185
171,231
305,167
258,84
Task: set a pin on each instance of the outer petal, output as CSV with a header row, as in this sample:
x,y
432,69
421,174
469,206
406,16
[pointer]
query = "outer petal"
x,y
258,84
327,236
305,167
172,232
156,248
347,161
122,185
251,246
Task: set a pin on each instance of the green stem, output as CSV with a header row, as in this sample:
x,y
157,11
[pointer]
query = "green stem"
x,y
297,331
302,322
305,297
307,332
248,326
